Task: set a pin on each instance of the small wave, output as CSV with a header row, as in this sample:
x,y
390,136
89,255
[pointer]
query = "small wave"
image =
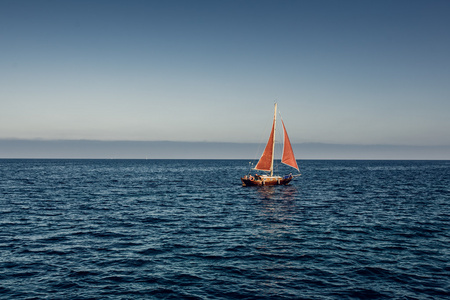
x,y
152,251
65,285
366,293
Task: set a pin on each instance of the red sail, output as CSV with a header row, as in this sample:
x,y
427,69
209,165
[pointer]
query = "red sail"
x,y
265,162
288,155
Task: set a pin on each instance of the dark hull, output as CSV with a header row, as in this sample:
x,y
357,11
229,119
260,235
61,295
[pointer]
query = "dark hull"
x,y
263,181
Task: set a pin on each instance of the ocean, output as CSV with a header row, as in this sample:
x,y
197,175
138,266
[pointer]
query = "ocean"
x,y
187,229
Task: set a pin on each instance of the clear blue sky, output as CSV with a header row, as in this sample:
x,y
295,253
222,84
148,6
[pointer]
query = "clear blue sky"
x,y
346,72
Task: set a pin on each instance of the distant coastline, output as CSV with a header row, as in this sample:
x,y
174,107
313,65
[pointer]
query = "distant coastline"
x,y
22,148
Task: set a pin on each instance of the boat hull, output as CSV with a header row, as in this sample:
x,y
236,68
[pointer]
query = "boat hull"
x,y
263,181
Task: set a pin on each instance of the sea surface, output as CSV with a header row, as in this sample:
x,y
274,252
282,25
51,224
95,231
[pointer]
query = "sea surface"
x,y
187,229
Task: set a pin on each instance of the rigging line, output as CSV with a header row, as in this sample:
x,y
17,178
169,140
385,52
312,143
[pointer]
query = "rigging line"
x,y
279,140
280,137
255,158
262,141
281,118
250,164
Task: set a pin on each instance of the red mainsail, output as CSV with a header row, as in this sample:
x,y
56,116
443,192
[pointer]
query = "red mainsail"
x,y
288,155
265,162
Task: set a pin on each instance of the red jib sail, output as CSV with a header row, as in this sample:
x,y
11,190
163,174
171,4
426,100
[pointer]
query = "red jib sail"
x,y
288,155
265,162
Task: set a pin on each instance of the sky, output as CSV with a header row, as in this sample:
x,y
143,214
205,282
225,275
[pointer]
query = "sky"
x,y
342,72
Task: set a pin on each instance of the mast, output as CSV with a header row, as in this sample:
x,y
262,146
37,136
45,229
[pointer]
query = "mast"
x,y
273,142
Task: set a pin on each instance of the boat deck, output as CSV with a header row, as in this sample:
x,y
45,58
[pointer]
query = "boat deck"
x,y
250,180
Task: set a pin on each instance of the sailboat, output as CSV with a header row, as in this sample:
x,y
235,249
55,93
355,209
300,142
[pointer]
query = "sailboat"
x,y
265,163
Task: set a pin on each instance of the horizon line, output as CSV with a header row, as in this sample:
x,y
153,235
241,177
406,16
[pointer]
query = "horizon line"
x,y
217,142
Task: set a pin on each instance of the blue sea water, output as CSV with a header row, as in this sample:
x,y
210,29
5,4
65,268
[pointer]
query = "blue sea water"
x,y
187,229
